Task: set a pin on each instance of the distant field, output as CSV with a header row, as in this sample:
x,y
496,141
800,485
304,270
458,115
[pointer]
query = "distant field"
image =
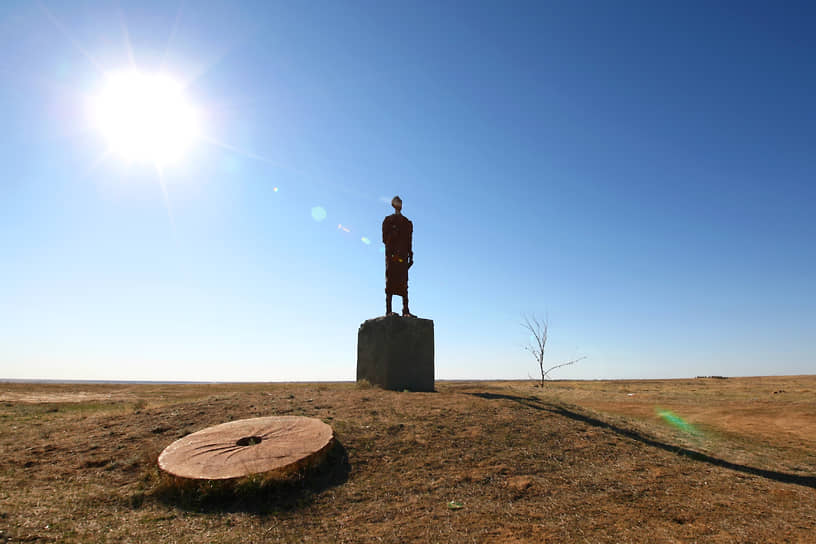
x,y
696,460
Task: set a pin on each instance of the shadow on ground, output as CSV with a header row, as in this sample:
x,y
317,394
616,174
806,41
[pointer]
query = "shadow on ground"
x,y
254,494
537,404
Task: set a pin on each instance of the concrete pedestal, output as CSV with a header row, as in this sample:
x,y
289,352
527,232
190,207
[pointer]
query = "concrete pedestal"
x,y
397,353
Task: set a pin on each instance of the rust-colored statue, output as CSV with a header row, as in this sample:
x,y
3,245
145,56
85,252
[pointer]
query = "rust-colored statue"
x,y
399,256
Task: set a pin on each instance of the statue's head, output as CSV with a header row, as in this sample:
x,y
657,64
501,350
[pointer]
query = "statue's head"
x,y
397,203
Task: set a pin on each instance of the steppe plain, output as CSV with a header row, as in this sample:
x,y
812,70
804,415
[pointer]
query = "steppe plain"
x,y
688,460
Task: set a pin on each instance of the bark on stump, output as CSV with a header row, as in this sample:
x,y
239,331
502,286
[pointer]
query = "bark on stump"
x,y
396,353
273,446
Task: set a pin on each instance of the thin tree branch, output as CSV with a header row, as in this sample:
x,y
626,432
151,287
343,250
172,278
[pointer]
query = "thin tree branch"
x,y
563,364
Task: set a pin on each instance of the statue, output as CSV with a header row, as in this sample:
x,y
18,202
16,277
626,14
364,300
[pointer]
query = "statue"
x,y
394,352
399,256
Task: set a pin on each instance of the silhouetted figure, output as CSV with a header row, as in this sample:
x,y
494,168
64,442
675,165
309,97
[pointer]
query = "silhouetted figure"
x,y
399,256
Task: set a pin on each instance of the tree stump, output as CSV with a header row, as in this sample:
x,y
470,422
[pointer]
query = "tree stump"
x,y
271,446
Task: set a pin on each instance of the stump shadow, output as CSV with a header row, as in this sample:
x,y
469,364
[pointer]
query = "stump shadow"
x,y
254,494
537,404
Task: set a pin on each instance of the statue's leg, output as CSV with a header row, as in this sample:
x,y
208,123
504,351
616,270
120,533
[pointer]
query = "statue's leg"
x,y
388,304
405,311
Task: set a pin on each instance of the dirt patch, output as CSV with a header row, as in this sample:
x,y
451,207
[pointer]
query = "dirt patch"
x,y
66,397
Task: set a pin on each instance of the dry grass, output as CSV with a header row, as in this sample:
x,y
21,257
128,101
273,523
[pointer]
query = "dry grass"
x,y
577,461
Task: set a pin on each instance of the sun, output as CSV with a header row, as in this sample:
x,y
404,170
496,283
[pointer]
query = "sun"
x,y
145,117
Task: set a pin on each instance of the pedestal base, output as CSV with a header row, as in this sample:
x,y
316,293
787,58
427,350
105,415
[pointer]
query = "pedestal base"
x,y
396,353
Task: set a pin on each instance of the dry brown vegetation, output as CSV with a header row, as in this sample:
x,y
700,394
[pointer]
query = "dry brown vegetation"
x,y
574,462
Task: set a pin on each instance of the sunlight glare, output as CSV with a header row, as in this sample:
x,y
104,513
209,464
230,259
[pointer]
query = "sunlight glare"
x,y
145,117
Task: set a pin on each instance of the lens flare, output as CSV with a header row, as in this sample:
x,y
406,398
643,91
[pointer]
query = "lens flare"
x,y
366,241
677,422
318,213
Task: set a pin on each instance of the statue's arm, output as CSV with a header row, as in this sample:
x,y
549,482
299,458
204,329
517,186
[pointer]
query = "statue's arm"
x,y
410,244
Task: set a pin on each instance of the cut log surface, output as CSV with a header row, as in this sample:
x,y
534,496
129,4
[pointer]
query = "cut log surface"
x,y
263,445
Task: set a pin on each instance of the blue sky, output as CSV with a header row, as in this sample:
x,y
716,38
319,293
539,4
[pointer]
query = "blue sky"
x,y
640,173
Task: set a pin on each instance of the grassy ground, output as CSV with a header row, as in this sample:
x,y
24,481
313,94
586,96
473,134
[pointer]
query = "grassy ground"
x,y
700,460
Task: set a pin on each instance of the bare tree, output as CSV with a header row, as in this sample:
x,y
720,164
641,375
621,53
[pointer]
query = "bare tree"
x,y
539,331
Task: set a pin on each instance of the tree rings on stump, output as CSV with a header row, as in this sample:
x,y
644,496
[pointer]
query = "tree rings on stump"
x,y
264,445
